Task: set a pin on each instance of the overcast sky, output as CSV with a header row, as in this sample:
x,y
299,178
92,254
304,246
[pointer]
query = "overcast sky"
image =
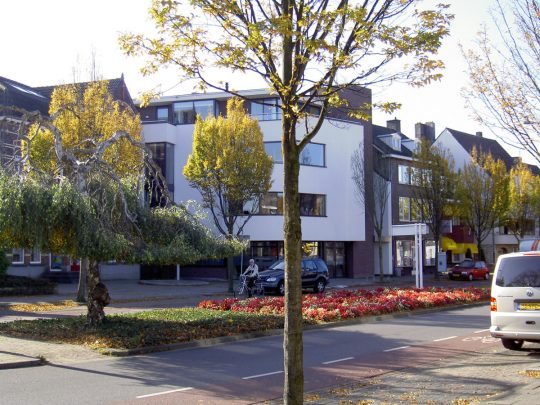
x,y
44,41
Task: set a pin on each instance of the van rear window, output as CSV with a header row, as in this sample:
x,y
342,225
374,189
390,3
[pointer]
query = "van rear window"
x,y
523,271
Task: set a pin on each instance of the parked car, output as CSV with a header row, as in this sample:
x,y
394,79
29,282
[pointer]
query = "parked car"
x,y
515,299
469,269
314,275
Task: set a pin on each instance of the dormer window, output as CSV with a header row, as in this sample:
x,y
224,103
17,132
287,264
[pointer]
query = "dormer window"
x,y
396,142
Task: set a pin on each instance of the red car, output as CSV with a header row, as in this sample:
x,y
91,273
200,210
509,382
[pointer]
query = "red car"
x,y
469,269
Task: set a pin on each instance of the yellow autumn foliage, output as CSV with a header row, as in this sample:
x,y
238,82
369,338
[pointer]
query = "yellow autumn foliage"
x,y
85,117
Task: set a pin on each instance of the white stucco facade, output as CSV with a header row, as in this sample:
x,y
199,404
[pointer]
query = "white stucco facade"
x,y
344,220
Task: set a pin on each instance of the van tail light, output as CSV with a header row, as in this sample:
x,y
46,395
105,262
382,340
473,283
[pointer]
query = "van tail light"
x,y
493,304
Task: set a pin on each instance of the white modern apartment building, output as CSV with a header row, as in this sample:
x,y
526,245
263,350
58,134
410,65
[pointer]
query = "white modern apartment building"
x,y
334,224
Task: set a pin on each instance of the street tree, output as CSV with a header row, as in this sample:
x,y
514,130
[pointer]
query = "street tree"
x,y
504,90
373,191
230,168
434,187
307,52
482,195
85,115
524,201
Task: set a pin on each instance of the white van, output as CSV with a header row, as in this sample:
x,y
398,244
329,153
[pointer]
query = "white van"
x,y
515,299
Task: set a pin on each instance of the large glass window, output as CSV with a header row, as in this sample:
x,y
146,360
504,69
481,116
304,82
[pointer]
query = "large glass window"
x,y
204,108
273,149
186,111
271,204
312,155
311,205
265,109
163,155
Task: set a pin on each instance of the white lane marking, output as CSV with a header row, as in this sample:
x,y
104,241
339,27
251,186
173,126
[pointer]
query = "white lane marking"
x,y
481,331
338,360
164,392
261,375
446,338
396,348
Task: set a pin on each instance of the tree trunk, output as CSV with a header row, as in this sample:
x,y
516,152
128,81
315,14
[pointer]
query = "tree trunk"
x,y
83,275
293,391
98,296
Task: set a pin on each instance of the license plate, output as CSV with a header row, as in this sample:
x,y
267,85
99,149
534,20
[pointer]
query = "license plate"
x,y
529,306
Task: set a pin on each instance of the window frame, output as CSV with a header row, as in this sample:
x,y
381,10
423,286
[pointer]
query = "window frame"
x,y
166,109
272,102
193,111
280,161
32,259
279,207
22,256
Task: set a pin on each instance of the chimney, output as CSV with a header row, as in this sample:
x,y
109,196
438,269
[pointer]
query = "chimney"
x,y
425,131
479,134
394,124
226,86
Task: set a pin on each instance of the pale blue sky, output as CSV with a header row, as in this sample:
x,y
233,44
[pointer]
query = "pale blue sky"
x,y
42,42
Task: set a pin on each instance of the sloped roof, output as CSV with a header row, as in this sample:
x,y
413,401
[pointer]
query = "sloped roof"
x,y
379,131
482,145
16,94
117,88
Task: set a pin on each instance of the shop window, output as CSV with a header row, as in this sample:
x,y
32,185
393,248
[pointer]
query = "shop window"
x,y
405,253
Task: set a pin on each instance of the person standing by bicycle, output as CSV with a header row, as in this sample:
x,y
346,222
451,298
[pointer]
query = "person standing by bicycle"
x,y
251,273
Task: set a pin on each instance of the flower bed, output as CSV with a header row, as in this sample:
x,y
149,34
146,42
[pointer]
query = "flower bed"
x,y
347,304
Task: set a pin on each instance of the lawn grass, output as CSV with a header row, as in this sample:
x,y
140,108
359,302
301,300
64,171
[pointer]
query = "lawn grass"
x,y
143,329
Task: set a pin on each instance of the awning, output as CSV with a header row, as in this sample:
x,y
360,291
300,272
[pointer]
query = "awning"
x,y
463,247
447,244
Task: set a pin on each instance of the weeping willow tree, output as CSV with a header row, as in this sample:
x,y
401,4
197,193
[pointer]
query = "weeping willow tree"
x,y
107,217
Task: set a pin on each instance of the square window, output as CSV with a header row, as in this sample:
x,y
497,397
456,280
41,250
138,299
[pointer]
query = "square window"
x,y
162,113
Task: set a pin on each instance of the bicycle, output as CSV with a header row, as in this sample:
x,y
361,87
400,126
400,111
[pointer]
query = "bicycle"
x,y
245,288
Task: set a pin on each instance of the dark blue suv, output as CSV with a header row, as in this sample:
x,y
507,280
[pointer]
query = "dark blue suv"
x,y
314,276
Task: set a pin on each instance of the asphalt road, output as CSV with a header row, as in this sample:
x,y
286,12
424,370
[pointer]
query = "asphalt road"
x,y
252,370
